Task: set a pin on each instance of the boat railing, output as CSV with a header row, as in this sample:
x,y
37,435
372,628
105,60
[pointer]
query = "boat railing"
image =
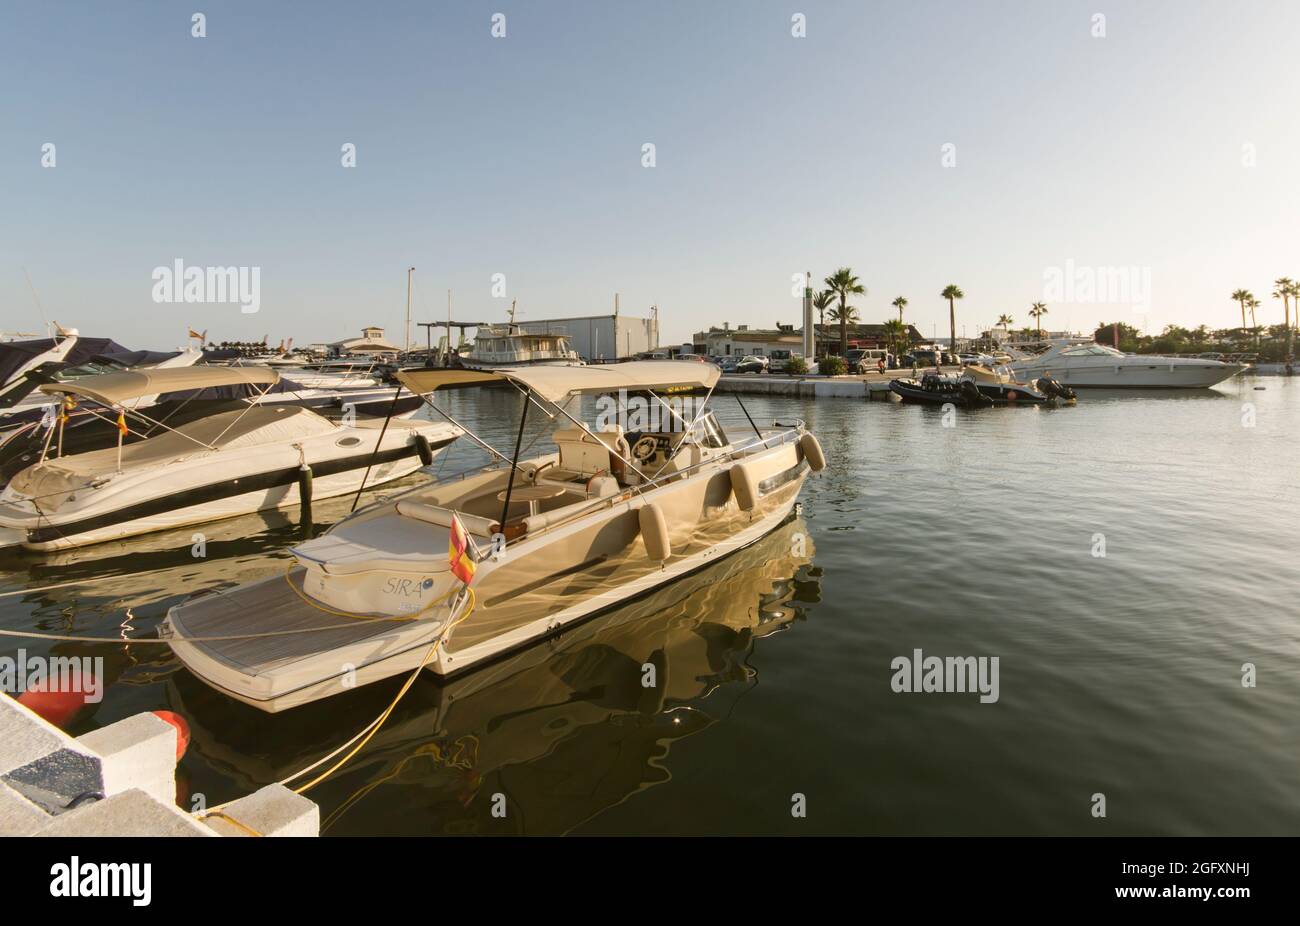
x,y
788,432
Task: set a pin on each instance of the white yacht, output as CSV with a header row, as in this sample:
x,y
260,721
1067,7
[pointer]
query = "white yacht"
x,y
235,461
507,346
1092,365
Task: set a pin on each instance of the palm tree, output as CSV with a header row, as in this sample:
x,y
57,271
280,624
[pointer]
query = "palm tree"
x,y
896,332
1242,296
821,302
952,292
900,303
1290,341
1005,321
1037,311
844,284
1254,304
1285,289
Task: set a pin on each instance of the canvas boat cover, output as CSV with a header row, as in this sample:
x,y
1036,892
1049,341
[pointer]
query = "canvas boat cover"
x,y
556,383
116,388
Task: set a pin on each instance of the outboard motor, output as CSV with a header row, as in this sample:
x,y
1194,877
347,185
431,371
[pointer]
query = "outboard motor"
x,y
1052,389
971,394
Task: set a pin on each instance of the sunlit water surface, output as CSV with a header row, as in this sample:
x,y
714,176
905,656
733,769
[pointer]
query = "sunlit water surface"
x,y
1119,674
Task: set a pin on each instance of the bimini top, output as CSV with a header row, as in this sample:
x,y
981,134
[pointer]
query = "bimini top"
x,y
116,388
556,383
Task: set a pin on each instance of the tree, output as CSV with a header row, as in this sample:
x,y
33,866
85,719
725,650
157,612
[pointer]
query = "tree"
x,y
1242,296
896,333
1253,305
1005,321
952,292
1036,312
1286,288
821,302
844,284
900,303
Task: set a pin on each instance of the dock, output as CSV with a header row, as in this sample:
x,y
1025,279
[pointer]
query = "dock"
x,y
120,780
873,386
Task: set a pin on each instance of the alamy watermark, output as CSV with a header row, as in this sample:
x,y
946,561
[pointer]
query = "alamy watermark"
x,y
70,674
920,674
1103,284
179,283
637,413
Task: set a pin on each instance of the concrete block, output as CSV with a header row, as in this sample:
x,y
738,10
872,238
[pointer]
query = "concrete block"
x,y
19,816
131,813
272,811
138,752
41,762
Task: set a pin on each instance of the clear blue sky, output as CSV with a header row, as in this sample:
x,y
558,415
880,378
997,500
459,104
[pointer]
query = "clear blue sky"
x,y
522,156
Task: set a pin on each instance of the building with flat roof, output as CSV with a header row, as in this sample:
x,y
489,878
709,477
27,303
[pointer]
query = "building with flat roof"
x,y
761,342
601,337
371,342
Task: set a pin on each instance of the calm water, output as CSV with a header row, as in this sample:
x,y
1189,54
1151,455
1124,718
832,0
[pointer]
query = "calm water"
x,y
1118,674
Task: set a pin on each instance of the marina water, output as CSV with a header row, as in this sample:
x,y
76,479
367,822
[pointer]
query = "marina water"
x,y
1123,560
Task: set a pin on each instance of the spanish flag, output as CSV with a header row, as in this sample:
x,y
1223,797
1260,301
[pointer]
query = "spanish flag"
x,y
121,424
460,552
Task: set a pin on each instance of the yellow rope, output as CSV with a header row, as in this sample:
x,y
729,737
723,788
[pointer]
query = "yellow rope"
x,y
228,818
379,721
368,731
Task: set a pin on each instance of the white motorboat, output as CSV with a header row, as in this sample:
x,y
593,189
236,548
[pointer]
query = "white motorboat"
x,y
506,346
552,539
236,461
1093,365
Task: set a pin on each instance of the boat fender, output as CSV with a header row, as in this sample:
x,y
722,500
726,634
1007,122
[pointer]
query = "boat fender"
x,y
424,448
812,452
654,531
182,730
742,484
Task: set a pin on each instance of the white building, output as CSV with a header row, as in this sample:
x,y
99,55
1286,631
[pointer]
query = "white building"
x,y
602,337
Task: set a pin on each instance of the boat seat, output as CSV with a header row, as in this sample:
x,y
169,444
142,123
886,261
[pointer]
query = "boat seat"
x,y
588,454
432,514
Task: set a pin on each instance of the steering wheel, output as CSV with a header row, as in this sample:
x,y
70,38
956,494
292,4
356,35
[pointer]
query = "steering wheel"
x,y
644,449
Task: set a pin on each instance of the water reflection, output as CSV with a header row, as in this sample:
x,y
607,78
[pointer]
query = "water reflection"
x,y
563,730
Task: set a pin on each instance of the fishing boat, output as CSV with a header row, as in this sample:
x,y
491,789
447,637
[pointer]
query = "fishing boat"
x,y
244,459
544,542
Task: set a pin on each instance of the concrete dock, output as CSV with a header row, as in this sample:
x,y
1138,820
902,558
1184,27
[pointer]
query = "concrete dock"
x,y
120,780
864,386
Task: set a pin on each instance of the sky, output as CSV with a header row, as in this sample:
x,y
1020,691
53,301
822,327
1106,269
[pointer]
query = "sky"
x,y
996,145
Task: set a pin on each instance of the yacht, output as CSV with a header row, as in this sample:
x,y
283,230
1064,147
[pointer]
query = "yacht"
x,y
504,346
231,462
1093,365
449,575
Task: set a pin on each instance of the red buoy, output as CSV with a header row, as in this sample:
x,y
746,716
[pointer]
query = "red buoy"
x,y
182,730
58,707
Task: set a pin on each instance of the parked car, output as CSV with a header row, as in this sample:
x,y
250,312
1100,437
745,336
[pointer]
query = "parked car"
x,y
729,364
752,365
865,360
779,360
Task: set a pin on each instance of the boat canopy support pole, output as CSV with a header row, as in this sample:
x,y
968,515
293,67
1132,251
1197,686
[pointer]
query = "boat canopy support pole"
x,y
514,464
379,443
746,411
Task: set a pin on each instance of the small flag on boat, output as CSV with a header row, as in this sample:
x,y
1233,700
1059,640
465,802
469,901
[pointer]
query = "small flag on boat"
x,y
460,552
121,424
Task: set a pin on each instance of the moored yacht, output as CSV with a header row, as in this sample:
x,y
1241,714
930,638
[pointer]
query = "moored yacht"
x,y
505,346
235,461
548,540
1093,365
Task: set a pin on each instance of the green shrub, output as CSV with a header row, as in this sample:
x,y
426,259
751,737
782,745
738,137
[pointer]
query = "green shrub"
x,y
833,366
796,365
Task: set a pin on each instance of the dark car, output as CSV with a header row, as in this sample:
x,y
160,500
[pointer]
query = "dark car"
x,y
752,365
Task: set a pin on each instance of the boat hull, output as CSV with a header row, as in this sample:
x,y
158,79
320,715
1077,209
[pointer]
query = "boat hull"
x,y
580,570
1159,374
187,496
